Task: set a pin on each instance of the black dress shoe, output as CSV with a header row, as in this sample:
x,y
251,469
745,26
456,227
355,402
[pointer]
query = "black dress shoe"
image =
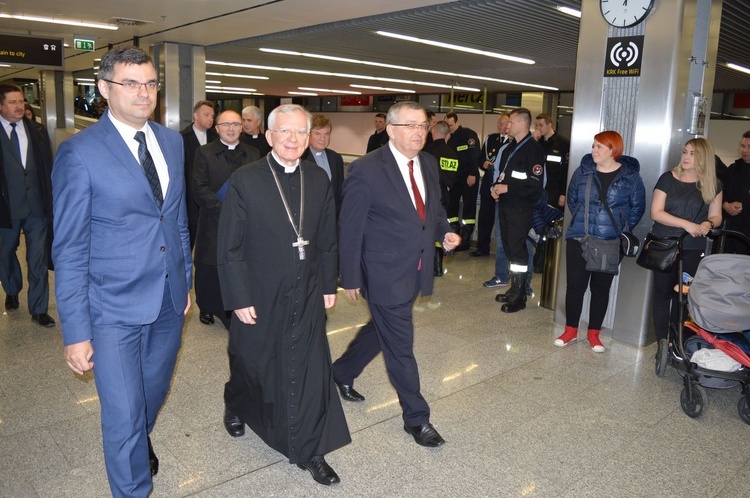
x,y
152,460
321,471
425,434
11,302
348,393
478,253
206,318
233,424
43,319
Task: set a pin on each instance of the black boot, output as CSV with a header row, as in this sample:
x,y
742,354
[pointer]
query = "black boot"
x,y
510,293
439,261
466,232
517,301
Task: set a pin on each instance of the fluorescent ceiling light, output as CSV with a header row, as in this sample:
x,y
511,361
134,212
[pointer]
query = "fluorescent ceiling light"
x,y
92,80
246,76
66,22
459,48
737,67
303,93
569,11
368,87
213,82
342,75
231,88
328,90
405,68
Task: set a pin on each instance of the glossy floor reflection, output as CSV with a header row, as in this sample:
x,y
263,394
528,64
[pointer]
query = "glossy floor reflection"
x,y
520,416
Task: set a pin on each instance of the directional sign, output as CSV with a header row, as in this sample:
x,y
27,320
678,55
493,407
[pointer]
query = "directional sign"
x,y
31,51
85,45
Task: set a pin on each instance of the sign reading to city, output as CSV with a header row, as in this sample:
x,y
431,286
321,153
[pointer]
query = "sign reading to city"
x,y
624,56
31,51
85,45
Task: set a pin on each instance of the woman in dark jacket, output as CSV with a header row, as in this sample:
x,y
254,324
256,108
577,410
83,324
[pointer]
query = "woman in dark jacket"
x,y
618,176
686,199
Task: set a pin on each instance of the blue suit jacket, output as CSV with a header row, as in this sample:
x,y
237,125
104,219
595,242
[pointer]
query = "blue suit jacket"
x,y
113,247
381,237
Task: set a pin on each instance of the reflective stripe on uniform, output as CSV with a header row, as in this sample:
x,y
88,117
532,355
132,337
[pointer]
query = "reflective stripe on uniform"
x,y
448,164
453,220
462,147
518,175
514,268
554,159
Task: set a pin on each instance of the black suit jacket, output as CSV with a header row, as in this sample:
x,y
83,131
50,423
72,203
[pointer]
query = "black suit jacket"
x,y
381,237
210,172
191,144
39,146
336,162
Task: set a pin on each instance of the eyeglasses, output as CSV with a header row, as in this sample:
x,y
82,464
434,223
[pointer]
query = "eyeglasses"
x,y
133,86
413,126
286,133
229,125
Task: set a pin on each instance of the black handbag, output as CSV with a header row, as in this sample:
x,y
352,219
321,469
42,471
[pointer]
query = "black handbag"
x,y
601,255
659,253
629,243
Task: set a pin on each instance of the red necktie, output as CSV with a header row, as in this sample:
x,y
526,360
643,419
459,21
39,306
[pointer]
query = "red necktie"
x,y
417,196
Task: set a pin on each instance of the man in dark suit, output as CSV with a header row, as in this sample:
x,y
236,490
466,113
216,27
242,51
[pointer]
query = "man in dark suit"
x,y
25,163
200,132
252,130
390,221
330,160
380,137
214,164
122,262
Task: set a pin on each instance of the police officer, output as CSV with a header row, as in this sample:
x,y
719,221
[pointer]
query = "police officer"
x,y
518,188
447,159
466,143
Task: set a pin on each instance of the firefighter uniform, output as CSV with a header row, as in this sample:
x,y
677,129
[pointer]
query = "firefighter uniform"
x,y
466,144
556,150
522,170
447,159
490,151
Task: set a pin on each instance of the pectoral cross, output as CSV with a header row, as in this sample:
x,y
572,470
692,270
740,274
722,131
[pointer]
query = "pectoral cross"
x,y
300,245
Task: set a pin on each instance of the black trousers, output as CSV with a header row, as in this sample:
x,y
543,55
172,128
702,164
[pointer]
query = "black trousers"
x,y
461,190
665,298
579,279
515,224
486,214
390,331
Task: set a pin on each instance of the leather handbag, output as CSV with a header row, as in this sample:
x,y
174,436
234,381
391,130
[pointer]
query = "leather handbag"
x,y
659,253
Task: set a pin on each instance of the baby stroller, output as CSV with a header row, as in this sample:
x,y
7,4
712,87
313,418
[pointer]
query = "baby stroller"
x,y
718,302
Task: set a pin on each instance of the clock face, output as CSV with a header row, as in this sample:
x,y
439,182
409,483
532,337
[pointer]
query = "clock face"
x,y
625,13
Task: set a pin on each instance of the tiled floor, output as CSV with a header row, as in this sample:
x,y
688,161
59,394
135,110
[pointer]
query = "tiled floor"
x,y
521,417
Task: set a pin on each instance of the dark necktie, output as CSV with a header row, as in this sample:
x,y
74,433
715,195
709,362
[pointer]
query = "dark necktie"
x,y
16,143
144,156
417,196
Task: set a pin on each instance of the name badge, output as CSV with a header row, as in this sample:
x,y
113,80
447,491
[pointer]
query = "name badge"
x,y
554,159
462,147
518,175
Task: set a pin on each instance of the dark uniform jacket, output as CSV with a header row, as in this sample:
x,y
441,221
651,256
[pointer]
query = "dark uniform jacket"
x,y
466,143
556,150
447,159
737,188
377,140
523,173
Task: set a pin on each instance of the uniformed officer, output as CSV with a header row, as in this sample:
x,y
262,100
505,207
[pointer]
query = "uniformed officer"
x,y
556,150
447,159
518,188
466,143
488,162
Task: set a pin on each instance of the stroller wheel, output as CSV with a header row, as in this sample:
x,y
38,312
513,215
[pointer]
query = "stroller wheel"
x,y
743,409
662,356
694,407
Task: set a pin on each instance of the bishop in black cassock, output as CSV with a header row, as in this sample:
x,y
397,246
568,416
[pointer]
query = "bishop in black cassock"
x,y
281,383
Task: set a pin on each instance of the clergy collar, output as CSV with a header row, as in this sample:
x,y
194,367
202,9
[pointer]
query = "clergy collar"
x,y
230,147
287,169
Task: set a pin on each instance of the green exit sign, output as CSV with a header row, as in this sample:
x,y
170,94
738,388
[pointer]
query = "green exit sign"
x,y
87,45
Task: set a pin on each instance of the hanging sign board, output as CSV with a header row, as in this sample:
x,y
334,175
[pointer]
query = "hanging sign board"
x,y
36,51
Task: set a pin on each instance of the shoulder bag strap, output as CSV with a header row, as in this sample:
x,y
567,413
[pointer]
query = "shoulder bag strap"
x,y
586,205
603,198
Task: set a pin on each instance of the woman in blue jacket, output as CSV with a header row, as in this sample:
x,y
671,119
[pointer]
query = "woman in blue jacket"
x,y
618,177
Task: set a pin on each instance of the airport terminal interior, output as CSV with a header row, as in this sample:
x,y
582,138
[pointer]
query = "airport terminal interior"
x,y
520,416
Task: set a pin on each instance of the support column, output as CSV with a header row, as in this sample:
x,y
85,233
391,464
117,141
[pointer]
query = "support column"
x,y
56,99
182,73
650,112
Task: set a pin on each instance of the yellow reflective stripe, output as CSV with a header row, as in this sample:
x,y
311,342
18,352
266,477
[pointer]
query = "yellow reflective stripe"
x,y
448,164
453,220
469,222
462,147
438,245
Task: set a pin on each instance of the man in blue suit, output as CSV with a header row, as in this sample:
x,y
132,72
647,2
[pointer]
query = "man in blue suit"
x,y
390,220
122,258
